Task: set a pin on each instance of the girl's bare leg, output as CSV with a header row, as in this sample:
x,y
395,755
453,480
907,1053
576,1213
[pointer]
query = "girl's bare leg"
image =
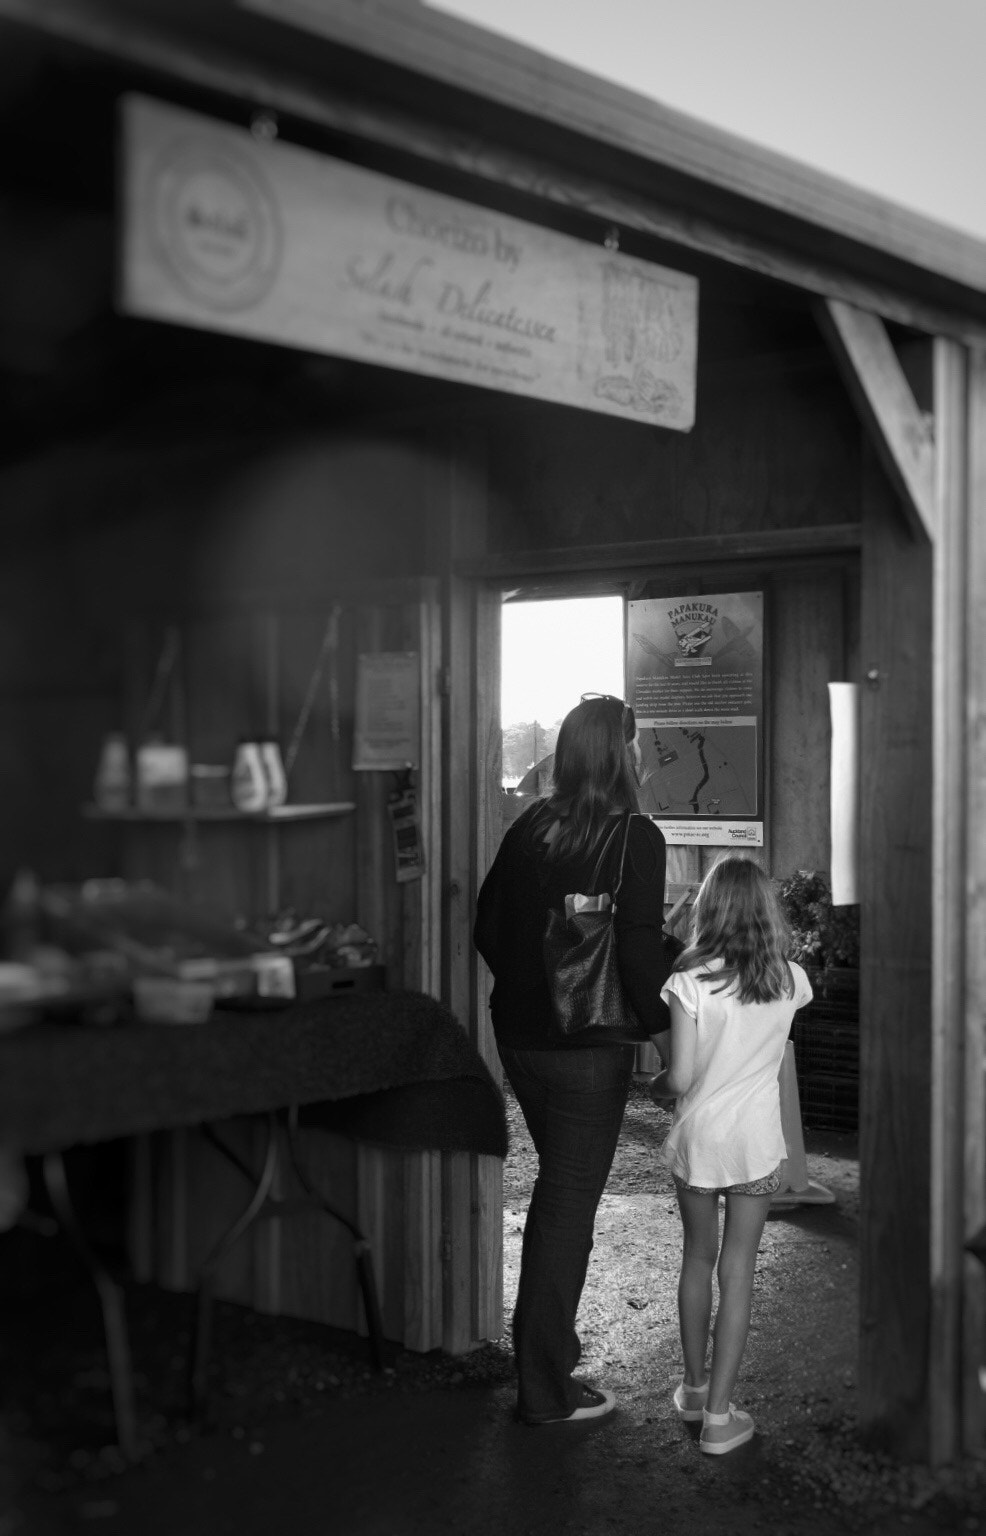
x,y
742,1231
700,1223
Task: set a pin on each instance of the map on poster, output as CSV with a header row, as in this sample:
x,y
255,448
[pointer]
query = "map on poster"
x,y
695,680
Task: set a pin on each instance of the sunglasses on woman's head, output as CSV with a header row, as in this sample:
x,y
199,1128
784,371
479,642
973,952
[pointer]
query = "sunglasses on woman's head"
x,y
629,719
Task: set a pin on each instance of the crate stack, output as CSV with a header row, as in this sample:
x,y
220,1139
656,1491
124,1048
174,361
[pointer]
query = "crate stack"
x,y
826,1052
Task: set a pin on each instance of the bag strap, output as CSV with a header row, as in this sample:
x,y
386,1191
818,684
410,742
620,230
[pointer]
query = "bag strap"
x,y
623,854
604,850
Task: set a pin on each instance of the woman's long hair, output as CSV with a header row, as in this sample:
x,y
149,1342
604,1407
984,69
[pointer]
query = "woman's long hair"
x,y
737,919
593,773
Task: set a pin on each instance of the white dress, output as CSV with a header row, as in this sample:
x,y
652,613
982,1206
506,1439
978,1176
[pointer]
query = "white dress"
x,y
727,1126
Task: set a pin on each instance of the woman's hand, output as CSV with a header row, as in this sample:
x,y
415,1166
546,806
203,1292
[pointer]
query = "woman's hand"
x,y
659,1091
662,1045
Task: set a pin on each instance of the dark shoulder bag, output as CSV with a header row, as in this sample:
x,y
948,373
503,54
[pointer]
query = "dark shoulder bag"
x,y
580,953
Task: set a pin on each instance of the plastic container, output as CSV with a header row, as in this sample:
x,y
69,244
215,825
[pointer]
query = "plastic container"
x,y
167,1000
162,777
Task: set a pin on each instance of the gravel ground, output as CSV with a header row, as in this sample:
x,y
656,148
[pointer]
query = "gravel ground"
x,y
805,1471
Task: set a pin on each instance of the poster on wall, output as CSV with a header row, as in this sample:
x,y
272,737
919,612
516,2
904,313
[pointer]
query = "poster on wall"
x,y
387,711
695,680
271,241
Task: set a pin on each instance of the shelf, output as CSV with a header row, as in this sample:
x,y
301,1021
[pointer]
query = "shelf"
x,y
279,813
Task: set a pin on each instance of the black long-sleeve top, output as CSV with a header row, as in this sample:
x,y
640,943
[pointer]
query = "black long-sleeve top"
x,y
512,913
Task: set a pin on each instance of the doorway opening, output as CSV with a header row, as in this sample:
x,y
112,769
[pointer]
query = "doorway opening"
x,y
553,651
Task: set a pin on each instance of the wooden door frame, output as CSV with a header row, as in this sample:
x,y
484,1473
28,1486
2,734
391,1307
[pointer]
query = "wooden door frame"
x,y
936,462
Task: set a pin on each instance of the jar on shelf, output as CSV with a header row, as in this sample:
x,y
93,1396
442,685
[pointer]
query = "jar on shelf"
x,y
162,776
249,786
277,782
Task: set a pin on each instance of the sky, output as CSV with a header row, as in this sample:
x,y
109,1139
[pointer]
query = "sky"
x,y
886,94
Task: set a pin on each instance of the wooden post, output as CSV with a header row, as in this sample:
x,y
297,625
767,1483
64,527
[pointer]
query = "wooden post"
x,y
973,1341
949,837
895,982
472,1220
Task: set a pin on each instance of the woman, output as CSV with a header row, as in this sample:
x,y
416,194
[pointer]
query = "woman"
x,y
572,1090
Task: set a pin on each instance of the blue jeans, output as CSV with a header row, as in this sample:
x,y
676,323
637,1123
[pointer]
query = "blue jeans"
x,y
573,1103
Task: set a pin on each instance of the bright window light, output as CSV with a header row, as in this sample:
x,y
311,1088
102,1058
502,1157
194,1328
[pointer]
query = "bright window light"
x,y
553,652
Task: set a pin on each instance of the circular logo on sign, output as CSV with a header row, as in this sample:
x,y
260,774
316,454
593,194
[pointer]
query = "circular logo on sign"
x,y
216,224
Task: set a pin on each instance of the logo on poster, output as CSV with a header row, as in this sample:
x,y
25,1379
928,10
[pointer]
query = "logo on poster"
x,y
215,224
693,624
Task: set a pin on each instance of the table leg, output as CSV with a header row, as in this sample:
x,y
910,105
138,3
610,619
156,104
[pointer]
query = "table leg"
x,y
112,1303
362,1250
203,1317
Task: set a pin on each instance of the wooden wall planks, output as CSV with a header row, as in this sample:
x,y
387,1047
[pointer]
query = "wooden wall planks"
x,y
780,451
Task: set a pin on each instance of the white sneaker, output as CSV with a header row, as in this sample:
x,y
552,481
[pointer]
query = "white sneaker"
x,y
742,1431
690,1401
595,1404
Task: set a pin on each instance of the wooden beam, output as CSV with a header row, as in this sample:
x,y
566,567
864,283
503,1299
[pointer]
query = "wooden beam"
x,y
950,832
883,397
509,75
701,549
271,87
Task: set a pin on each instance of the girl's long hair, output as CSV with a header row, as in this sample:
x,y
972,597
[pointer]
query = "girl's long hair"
x,y
737,919
593,773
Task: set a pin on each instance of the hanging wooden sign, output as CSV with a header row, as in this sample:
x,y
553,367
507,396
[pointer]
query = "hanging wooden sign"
x,y
266,240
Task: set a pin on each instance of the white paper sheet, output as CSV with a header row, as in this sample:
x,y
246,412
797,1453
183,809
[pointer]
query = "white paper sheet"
x,y
844,817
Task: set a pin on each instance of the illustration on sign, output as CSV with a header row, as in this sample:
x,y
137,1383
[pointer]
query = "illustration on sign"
x,y
272,241
695,674
215,224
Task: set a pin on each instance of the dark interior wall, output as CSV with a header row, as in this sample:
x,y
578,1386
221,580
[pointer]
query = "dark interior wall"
x,y
243,555
773,447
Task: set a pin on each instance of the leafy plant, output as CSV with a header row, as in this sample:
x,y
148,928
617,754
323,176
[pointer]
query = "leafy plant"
x,y
821,934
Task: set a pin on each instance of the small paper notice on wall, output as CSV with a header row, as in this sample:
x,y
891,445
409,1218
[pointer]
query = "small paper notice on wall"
x,y
844,814
387,711
409,854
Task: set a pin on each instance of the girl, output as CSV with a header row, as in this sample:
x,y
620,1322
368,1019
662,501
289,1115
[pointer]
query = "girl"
x,y
732,997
